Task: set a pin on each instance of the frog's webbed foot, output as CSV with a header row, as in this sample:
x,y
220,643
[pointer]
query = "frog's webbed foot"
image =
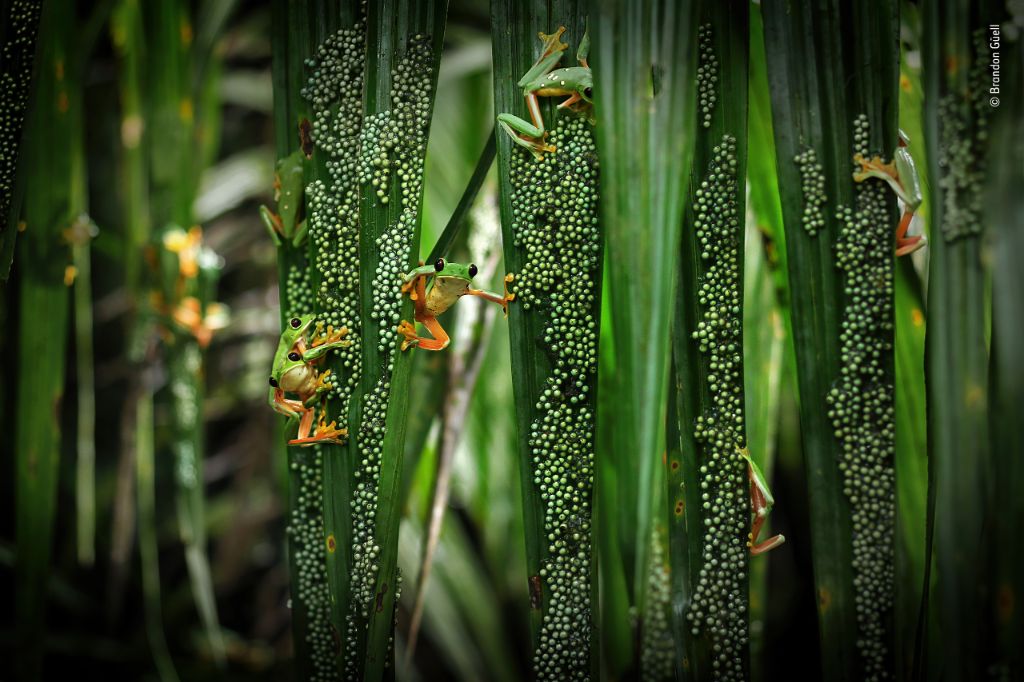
x,y
324,433
330,336
552,42
408,330
873,168
509,295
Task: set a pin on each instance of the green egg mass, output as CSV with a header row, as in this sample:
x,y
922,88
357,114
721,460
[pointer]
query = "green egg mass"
x,y
718,609
22,18
812,183
379,155
305,533
707,75
963,134
334,91
555,224
861,404
658,649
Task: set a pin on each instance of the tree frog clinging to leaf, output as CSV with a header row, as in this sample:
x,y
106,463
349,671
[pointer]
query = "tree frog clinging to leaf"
x,y
543,80
901,174
450,282
289,184
761,502
294,372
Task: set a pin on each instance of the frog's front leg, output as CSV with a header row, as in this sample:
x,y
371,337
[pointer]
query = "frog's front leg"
x,y
319,347
503,301
273,223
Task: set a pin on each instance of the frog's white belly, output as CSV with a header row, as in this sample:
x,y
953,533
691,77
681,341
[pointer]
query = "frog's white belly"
x,y
300,380
444,292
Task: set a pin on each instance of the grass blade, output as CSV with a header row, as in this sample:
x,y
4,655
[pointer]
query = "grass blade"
x,y
955,344
645,72
1006,204
712,550
553,329
41,259
833,69
20,25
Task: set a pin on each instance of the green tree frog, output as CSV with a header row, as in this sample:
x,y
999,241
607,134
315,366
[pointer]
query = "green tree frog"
x,y
761,502
294,371
450,282
289,184
574,82
902,176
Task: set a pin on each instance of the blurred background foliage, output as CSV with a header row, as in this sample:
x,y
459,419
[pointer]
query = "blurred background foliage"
x,y
121,576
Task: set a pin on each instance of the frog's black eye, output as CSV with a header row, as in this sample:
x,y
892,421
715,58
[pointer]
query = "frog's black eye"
x,y
588,92
273,382
295,322
472,270
439,265
293,356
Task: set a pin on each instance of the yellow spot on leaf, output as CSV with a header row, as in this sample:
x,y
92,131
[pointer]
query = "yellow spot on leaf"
x,y
186,33
185,110
62,102
824,600
917,317
332,544
904,83
58,69
680,507
974,397
69,275
22,226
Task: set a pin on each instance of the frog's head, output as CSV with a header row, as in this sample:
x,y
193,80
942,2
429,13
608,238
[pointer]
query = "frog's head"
x,y
443,268
296,328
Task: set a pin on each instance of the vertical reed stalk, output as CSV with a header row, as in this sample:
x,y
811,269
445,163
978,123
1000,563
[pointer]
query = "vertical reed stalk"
x,y
19,25
833,70
552,243
43,324
956,124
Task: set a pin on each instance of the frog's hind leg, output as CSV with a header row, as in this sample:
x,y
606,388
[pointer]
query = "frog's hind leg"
x,y
758,501
575,97
904,244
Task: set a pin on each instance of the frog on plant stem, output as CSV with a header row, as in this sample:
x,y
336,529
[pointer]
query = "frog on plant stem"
x,y
450,282
543,80
761,502
289,183
294,371
902,176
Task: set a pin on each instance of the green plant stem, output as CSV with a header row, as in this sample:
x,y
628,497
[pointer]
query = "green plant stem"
x,y
458,217
42,333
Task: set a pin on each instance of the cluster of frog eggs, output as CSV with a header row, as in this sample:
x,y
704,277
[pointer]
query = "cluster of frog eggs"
x,y
658,649
394,143
554,209
305,532
962,172
334,91
299,290
707,75
861,405
22,24
719,607
812,183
